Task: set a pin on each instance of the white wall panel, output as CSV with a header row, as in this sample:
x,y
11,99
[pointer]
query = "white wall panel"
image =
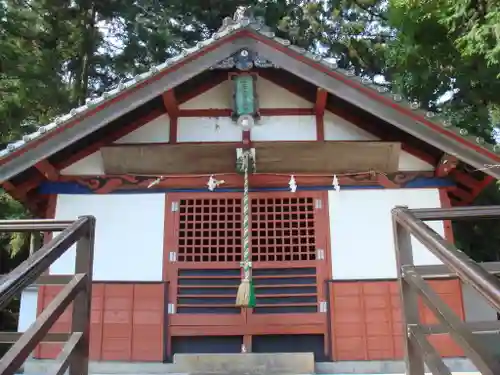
x,y
129,235
362,244
285,128
207,129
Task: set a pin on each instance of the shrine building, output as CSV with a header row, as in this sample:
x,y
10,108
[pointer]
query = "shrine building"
x,y
160,162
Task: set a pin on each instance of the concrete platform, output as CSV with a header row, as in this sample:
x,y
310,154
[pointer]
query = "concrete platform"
x,y
457,366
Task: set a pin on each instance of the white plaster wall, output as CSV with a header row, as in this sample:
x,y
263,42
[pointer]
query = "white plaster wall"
x,y
219,96
338,129
156,131
362,245
128,238
285,128
207,129
27,310
270,96
223,129
274,96
88,166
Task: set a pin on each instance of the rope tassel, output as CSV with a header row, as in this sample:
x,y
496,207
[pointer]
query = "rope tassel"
x,y
246,293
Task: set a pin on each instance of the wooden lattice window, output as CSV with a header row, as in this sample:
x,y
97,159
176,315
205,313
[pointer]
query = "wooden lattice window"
x,y
282,229
210,230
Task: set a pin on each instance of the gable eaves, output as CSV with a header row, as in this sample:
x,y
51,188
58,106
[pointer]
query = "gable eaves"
x,y
360,91
95,114
378,100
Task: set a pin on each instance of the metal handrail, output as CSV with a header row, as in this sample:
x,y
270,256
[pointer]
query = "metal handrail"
x,y
78,289
418,350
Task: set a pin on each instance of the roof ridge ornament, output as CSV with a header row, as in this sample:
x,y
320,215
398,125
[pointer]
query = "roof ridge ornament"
x,y
244,16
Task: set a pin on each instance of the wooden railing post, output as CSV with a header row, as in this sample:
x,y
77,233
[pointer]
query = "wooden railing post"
x,y
81,305
414,361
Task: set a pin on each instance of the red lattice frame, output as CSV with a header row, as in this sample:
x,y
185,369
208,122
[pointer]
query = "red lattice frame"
x,y
303,232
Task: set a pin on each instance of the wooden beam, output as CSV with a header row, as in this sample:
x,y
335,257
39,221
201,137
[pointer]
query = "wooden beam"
x,y
172,107
170,103
246,139
462,195
320,105
14,191
446,165
172,135
272,157
446,203
482,185
21,196
47,170
319,111
474,185
226,112
464,179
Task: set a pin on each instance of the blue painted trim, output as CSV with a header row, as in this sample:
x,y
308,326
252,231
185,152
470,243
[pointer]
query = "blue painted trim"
x,y
75,188
429,182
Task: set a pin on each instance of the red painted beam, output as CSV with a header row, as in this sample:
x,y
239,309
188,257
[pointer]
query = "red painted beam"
x,y
21,197
172,107
47,170
465,179
320,105
474,185
482,185
226,112
170,103
462,195
446,203
319,110
246,139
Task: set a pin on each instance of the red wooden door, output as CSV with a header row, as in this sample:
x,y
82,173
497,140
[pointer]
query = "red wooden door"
x,y
289,247
203,248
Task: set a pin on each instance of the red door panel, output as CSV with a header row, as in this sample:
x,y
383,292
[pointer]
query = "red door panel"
x,y
203,250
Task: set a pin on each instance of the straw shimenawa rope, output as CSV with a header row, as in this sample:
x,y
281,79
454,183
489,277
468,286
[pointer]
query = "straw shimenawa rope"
x,y
246,293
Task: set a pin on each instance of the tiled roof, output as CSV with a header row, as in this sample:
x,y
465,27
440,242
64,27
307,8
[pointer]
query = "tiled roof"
x,y
231,26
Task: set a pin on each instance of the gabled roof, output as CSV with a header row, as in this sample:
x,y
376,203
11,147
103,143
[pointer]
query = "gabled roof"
x,y
236,34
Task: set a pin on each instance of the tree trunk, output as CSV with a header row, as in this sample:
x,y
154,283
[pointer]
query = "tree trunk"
x,y
88,29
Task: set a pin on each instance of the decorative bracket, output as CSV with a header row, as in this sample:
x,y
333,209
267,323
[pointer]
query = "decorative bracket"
x,y
243,60
446,165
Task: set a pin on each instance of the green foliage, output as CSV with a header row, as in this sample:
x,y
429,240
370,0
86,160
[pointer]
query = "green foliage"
x,y
425,62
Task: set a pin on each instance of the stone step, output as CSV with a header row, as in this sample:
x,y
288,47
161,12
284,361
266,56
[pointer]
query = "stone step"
x,y
246,364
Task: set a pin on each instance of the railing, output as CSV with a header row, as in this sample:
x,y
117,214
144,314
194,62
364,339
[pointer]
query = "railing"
x,y
418,350
75,352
